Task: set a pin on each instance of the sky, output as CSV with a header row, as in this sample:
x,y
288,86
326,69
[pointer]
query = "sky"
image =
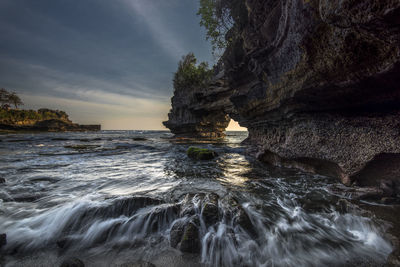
x,y
106,62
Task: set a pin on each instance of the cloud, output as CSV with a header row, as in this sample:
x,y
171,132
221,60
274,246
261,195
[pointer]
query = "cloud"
x,y
164,36
115,57
122,113
45,80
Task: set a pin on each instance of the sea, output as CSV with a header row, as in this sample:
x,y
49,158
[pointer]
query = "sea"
x,y
111,198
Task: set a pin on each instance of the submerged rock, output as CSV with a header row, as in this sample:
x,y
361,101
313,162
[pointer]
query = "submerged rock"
x,y
82,147
72,262
138,138
199,213
26,197
137,264
3,240
201,153
2,180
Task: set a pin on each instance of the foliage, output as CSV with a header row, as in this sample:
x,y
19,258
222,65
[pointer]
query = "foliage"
x,y
8,98
216,19
189,75
26,117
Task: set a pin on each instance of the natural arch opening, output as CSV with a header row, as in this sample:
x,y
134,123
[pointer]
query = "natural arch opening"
x,y
235,131
234,126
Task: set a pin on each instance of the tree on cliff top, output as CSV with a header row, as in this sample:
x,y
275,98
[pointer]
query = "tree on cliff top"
x,y
220,18
189,75
15,100
9,98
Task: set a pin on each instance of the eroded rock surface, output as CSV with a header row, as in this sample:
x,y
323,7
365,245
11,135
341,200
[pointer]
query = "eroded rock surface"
x,y
316,83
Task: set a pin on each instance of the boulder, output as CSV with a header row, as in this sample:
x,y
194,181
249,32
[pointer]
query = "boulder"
x,y
184,236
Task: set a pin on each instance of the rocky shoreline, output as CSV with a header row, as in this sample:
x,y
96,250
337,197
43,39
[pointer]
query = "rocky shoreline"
x,y
49,126
42,120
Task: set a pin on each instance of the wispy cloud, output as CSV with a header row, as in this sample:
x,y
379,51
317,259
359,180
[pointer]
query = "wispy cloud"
x,y
148,11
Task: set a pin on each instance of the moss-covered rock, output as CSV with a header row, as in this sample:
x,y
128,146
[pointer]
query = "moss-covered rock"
x,y
201,153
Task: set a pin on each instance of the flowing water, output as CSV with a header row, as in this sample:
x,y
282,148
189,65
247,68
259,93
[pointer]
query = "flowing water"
x,y
111,198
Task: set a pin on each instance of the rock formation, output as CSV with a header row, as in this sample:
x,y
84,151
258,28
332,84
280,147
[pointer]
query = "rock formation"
x,y
44,120
316,83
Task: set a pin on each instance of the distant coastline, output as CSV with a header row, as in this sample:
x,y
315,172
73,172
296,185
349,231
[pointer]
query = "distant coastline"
x,y
42,120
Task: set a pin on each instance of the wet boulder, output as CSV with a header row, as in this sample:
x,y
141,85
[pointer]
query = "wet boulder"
x,y
343,206
203,205
388,187
239,216
210,211
2,180
176,233
185,236
190,240
72,262
201,153
243,220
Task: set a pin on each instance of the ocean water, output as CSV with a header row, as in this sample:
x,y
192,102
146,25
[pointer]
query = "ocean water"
x,y
113,197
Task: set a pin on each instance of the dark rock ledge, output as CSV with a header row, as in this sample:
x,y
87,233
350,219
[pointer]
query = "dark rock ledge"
x,y
316,83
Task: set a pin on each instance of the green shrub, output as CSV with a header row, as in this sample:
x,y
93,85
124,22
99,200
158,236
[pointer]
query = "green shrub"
x,y
189,75
14,116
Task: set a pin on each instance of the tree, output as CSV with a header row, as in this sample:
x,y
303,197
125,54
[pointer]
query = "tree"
x,y
7,98
189,75
15,100
221,18
4,94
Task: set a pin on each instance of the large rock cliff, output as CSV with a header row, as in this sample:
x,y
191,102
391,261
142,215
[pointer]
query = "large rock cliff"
x,y
316,83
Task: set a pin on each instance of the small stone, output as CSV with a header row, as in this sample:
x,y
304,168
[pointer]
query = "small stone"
x,y
72,262
388,200
388,187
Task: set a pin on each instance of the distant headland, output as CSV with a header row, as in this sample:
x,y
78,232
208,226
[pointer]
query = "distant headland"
x,y
13,119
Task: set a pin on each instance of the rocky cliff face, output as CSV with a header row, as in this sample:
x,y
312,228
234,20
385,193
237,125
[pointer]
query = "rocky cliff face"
x,y
316,83
199,113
